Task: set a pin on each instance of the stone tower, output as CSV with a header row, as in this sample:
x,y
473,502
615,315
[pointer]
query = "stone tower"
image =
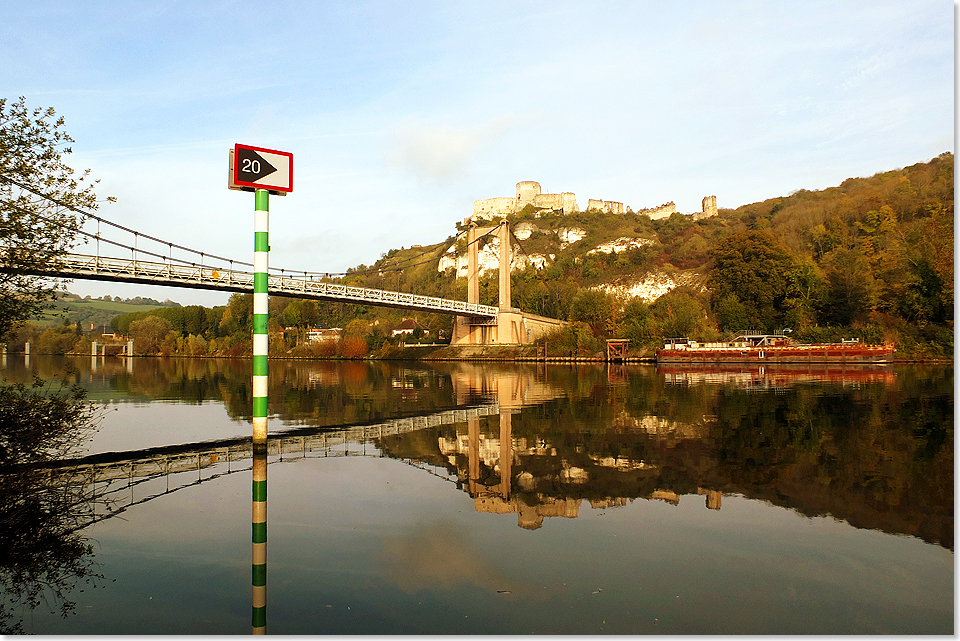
x,y
709,206
527,191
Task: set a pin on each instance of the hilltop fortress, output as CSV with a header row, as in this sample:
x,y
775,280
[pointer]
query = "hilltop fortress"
x,y
529,193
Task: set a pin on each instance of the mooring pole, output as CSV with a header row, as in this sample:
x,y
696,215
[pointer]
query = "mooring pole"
x,y
261,265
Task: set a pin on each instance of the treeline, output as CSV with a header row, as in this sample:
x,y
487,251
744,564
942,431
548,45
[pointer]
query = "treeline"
x,y
194,330
136,300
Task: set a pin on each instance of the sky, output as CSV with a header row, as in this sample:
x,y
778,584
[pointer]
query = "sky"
x,y
401,114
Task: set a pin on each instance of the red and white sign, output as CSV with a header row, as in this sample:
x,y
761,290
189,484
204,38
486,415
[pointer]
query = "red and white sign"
x,y
259,168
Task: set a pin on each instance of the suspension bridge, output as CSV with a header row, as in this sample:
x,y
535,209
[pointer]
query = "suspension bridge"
x,y
475,323
195,276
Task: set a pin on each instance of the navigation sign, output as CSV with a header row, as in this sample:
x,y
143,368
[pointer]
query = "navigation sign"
x,y
258,168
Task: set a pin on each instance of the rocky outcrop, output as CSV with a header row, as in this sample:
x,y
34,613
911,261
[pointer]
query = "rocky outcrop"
x,y
654,285
620,245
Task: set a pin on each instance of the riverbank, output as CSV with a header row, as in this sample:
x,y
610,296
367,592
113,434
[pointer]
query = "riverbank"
x,y
502,353
518,353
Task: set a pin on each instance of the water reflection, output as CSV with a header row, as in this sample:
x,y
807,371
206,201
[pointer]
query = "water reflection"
x,y
775,376
259,536
43,556
504,474
869,446
846,443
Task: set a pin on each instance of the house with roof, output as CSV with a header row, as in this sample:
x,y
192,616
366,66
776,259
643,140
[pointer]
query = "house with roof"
x,y
408,326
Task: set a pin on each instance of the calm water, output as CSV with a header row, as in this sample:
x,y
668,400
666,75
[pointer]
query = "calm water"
x,y
495,499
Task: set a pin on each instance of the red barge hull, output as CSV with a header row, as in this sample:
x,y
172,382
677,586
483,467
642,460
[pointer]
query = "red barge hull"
x,y
816,353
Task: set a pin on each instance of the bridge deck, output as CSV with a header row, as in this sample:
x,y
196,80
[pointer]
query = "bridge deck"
x,y
202,277
114,466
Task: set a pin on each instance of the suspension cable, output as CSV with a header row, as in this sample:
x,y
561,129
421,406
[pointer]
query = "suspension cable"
x,y
136,234
100,220
104,220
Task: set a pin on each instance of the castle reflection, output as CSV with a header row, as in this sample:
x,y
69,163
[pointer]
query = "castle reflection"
x,y
500,468
490,476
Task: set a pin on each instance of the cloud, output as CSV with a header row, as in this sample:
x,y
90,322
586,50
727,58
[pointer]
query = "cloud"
x,y
439,556
442,153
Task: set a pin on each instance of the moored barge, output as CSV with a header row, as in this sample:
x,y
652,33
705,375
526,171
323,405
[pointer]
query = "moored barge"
x,y
771,348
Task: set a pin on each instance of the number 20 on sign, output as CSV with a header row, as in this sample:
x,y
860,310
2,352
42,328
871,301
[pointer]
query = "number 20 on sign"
x,y
253,168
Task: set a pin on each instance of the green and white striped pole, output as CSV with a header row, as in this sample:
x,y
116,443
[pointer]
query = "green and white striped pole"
x,y
261,265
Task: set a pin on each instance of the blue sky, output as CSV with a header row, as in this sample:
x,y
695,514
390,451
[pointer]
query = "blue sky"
x,y
401,114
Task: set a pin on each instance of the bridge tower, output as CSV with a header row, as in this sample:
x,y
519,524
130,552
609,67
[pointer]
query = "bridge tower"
x,y
512,327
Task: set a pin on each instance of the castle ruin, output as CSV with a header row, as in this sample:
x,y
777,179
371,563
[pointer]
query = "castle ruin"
x,y
665,210
529,193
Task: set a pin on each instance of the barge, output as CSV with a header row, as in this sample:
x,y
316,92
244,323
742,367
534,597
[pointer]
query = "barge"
x,y
772,348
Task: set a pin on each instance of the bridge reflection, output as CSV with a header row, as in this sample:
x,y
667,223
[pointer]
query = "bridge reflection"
x,y
117,481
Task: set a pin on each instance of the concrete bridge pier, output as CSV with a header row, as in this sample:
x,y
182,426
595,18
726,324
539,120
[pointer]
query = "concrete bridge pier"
x,y
512,327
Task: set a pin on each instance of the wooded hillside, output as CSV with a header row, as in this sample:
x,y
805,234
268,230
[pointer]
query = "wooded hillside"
x,y
871,257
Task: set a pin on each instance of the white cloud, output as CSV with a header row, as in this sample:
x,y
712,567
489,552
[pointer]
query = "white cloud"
x,y
440,153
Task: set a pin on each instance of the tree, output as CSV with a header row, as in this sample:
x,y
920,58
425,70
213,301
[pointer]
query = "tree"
x,y
291,315
148,333
638,324
43,553
598,309
238,317
849,288
42,205
730,313
804,294
679,313
754,267
57,340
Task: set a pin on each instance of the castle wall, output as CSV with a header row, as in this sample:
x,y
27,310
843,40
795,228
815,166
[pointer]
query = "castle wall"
x,y
553,201
605,206
529,193
612,207
663,211
494,207
709,208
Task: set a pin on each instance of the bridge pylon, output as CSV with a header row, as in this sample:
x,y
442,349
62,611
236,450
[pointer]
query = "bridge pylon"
x,y
511,327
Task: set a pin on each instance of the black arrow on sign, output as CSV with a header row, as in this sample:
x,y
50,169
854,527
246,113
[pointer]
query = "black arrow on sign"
x,y
251,166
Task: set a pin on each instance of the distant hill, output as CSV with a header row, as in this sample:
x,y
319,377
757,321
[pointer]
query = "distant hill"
x,y
97,311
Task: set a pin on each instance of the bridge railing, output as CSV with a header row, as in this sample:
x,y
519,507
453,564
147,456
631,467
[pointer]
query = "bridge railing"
x,y
200,456
204,277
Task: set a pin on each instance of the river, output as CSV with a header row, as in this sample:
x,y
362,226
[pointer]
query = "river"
x,y
468,498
